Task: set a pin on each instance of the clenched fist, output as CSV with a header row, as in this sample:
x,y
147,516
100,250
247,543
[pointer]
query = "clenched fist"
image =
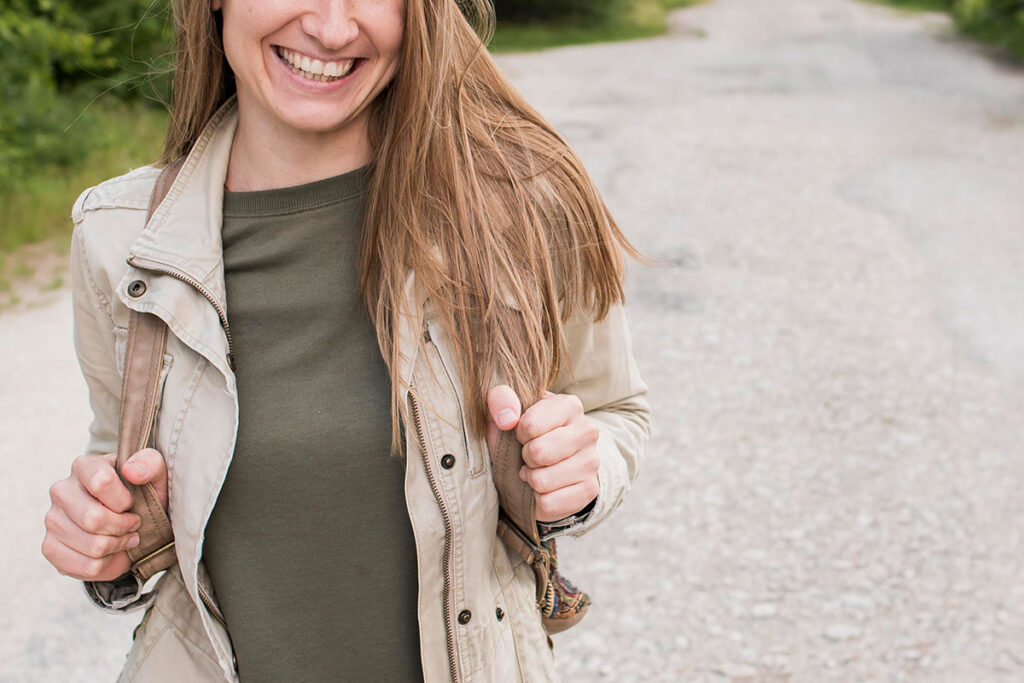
x,y
88,526
559,448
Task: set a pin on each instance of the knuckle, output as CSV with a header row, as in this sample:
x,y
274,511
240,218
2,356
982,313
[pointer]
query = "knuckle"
x,y
538,481
93,568
100,546
537,452
49,549
100,479
547,507
93,520
574,402
51,518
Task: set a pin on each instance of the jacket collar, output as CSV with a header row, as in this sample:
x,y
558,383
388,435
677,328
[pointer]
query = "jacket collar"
x,y
184,232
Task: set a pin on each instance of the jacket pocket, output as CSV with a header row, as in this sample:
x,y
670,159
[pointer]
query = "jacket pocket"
x,y
170,642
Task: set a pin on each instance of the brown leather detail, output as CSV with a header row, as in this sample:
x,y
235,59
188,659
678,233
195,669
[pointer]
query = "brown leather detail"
x,y
536,556
559,625
517,523
147,338
143,360
163,185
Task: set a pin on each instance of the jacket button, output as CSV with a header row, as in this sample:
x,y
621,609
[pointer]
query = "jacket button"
x,y
499,613
448,461
464,616
137,288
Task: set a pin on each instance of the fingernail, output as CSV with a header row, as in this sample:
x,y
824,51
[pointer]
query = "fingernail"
x,y
139,468
133,541
136,526
522,473
506,417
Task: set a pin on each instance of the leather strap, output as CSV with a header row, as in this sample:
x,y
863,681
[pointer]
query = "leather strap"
x,y
143,362
517,519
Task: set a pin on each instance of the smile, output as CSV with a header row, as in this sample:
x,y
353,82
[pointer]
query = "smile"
x,y
314,69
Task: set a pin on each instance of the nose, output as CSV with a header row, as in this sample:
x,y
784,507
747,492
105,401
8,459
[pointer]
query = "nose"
x,y
332,23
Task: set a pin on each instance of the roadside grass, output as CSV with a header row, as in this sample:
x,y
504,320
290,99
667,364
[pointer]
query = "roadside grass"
x,y
38,211
915,5
643,19
127,137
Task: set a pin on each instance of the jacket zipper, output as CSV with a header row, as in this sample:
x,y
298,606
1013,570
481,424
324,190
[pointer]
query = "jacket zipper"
x,y
446,593
202,290
219,618
214,610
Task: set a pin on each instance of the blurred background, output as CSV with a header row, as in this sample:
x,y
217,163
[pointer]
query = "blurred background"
x,y
833,337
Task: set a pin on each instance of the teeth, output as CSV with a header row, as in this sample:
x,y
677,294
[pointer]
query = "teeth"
x,y
315,69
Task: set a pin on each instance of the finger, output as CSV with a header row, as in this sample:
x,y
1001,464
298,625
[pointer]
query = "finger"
x,y
91,515
560,443
95,546
565,501
572,470
76,565
547,414
97,475
503,406
148,466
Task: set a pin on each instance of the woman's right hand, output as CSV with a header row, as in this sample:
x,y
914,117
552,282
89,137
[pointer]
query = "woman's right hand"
x,y
88,526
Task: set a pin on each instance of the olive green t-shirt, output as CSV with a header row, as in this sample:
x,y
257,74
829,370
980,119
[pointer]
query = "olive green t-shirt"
x,y
309,546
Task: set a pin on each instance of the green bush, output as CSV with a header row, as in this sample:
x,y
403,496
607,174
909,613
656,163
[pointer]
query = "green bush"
x,y
580,11
1000,22
58,56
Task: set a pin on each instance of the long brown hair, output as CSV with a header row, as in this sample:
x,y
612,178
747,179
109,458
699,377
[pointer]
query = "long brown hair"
x,y
470,188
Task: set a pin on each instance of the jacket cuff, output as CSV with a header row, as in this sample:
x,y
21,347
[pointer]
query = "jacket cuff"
x,y
120,596
566,524
612,481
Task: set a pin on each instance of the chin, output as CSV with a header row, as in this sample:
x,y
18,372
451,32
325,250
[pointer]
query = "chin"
x,y
318,121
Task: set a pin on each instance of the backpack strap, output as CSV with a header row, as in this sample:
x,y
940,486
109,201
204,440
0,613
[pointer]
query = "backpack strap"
x,y
517,516
144,356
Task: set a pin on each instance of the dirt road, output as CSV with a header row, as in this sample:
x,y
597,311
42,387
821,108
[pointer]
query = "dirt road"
x,y
833,347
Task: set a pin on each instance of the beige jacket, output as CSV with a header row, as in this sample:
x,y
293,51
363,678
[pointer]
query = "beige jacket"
x,y
464,570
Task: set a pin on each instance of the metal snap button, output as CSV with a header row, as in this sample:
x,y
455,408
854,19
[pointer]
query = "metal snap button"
x,y
448,461
499,613
464,616
137,288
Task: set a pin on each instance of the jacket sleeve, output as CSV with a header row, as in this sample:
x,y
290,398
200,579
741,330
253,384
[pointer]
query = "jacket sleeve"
x,y
600,369
95,347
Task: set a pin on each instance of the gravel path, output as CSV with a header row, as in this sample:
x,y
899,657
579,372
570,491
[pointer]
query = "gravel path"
x,y
833,346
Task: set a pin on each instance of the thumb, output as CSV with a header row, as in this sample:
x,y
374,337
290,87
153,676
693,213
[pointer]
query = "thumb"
x,y
148,466
503,407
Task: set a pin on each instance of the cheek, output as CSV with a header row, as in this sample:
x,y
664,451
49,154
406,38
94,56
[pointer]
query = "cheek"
x,y
391,29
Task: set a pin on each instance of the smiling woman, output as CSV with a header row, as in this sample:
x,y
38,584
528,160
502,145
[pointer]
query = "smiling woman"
x,y
381,269
280,53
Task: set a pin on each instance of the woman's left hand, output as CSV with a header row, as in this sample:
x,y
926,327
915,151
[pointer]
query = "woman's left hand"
x,y
559,448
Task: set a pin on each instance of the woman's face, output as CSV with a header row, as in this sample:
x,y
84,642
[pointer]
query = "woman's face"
x,y
310,65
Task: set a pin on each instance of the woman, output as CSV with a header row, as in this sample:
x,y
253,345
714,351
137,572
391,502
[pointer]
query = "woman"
x,y
412,260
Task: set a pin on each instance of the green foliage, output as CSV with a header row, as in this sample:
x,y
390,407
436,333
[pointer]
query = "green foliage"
x,y
999,22
57,57
124,136
577,11
537,25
